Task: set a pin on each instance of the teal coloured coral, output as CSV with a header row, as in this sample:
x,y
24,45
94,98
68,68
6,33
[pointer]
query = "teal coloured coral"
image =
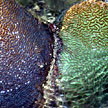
x,y
83,62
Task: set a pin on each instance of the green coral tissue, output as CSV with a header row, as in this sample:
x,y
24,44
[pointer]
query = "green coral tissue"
x,y
83,61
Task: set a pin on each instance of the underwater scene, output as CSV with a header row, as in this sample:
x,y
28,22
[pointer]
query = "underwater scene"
x,y
53,53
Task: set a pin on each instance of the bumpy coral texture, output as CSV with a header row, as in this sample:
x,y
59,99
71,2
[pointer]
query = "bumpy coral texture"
x,y
26,47
83,62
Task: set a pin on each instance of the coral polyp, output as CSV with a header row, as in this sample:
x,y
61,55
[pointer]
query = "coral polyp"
x,y
83,61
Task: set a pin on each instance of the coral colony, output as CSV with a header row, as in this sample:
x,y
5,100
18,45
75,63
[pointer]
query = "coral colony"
x,y
83,62
26,47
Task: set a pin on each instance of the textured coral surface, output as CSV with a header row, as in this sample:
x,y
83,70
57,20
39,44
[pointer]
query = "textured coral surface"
x,y
83,62
25,55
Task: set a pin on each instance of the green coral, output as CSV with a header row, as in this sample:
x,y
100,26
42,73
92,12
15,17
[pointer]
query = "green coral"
x,y
83,62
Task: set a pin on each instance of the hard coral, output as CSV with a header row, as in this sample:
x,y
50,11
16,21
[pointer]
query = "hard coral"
x,y
83,62
26,47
